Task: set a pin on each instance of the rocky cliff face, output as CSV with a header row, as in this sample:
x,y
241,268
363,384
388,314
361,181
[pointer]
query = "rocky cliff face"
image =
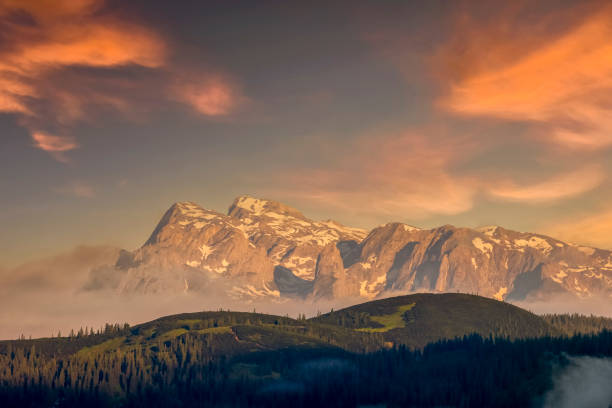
x,y
289,239
262,248
189,249
491,261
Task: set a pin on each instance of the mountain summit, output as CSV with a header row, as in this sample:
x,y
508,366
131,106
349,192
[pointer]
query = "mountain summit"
x,y
246,206
266,249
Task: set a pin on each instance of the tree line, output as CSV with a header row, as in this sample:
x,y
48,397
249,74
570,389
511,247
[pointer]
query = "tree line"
x,y
186,371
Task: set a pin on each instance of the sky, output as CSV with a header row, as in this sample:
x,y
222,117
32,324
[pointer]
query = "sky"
x,y
468,113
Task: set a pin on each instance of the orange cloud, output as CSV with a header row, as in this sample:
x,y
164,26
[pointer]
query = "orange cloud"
x,y
562,186
420,174
593,229
66,34
95,44
563,83
50,143
50,36
54,145
208,96
406,174
13,91
48,42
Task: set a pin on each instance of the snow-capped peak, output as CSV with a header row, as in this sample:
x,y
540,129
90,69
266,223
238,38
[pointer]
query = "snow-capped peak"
x,y
250,207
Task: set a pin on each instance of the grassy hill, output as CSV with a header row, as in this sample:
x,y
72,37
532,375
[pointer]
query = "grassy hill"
x,y
413,320
225,333
416,320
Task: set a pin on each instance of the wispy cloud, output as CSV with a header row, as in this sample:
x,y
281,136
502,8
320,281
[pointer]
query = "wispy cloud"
x,y
548,68
213,96
51,57
422,173
46,38
558,187
591,229
52,143
396,174
78,189
559,81
71,34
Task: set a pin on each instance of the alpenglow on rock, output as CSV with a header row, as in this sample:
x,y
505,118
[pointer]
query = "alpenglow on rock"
x,y
265,249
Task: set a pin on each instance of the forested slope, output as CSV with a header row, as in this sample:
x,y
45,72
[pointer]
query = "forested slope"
x,y
418,350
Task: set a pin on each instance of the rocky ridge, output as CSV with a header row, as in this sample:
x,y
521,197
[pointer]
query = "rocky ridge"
x,y
263,248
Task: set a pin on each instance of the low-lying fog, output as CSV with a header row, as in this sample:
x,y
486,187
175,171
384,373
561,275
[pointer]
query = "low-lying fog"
x,y
585,383
43,297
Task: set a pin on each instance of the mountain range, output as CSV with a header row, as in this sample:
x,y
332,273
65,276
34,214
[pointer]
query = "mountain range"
x,y
262,249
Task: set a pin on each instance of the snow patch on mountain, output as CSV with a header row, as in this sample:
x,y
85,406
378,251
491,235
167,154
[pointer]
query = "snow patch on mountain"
x,y
256,206
501,293
484,247
370,290
534,242
250,292
205,250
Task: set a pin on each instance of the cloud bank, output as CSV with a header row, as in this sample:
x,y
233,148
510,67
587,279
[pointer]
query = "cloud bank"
x,y
43,297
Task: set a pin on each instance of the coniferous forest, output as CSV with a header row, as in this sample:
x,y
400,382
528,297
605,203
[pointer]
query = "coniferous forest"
x,y
468,372
232,359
